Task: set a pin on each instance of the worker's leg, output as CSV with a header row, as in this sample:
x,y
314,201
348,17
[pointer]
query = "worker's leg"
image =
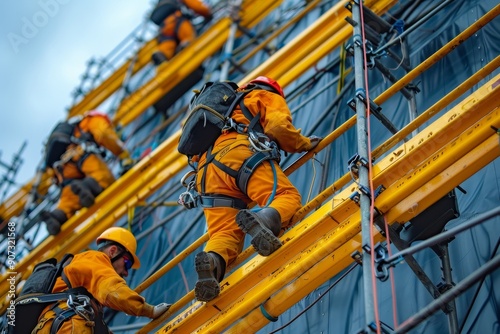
x,y
283,201
186,33
96,168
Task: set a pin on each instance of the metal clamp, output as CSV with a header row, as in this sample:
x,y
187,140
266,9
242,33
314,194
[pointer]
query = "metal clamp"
x,y
81,305
362,97
355,162
189,198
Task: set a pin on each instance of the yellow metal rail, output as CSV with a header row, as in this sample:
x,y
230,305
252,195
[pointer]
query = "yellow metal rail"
x,y
187,61
109,86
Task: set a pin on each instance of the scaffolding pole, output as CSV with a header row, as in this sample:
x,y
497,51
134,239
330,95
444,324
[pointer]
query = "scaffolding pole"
x,y
363,161
228,50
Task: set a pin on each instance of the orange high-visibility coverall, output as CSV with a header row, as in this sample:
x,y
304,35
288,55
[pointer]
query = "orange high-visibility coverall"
x,y
93,270
177,30
93,164
225,237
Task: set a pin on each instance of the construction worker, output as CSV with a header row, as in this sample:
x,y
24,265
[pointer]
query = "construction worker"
x,y
238,161
101,273
75,153
175,30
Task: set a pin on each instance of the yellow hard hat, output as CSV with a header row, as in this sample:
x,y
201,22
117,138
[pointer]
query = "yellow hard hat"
x,y
123,237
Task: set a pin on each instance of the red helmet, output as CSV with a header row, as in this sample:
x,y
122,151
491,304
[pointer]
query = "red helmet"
x,y
268,82
98,114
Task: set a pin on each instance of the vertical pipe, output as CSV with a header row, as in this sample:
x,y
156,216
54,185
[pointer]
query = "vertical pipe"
x,y
364,201
228,49
448,280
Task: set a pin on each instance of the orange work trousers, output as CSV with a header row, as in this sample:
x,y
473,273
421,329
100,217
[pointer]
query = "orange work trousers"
x,y
93,166
225,237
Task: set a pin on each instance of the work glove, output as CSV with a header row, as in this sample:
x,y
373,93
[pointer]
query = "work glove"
x,y
126,164
160,309
314,141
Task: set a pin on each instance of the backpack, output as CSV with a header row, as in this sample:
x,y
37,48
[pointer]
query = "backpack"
x,y
163,9
59,140
210,111
22,313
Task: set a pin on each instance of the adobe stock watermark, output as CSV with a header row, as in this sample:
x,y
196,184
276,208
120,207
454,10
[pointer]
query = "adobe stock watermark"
x,y
30,26
11,280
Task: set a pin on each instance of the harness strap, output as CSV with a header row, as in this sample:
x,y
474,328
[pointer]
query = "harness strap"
x,y
249,166
254,120
225,168
216,201
61,317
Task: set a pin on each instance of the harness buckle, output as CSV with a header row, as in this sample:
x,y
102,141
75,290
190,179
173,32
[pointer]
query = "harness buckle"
x,y
229,125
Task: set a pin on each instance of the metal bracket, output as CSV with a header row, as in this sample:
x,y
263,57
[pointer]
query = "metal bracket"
x,y
355,197
381,270
355,162
371,55
380,189
356,255
362,97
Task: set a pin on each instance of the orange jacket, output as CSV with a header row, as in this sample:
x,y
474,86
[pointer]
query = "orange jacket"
x,y
93,270
275,118
104,134
198,7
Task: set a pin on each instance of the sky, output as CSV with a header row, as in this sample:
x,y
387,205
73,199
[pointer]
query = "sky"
x,y
44,49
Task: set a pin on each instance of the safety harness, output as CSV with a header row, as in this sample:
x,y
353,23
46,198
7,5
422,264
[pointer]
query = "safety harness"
x,y
36,296
60,152
80,302
264,150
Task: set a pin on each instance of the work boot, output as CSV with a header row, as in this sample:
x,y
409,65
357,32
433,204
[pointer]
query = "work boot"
x,y
54,220
85,197
211,269
92,185
264,226
158,58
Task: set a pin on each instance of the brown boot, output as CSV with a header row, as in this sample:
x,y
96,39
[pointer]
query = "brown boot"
x,y
264,226
54,220
211,269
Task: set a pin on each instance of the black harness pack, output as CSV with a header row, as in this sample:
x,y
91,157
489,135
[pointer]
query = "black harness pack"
x,y
163,9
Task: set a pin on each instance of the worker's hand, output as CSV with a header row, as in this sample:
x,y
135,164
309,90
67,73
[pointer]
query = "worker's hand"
x,y
127,164
160,309
314,141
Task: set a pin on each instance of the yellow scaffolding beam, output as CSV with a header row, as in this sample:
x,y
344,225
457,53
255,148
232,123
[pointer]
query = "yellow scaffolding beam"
x,y
187,61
